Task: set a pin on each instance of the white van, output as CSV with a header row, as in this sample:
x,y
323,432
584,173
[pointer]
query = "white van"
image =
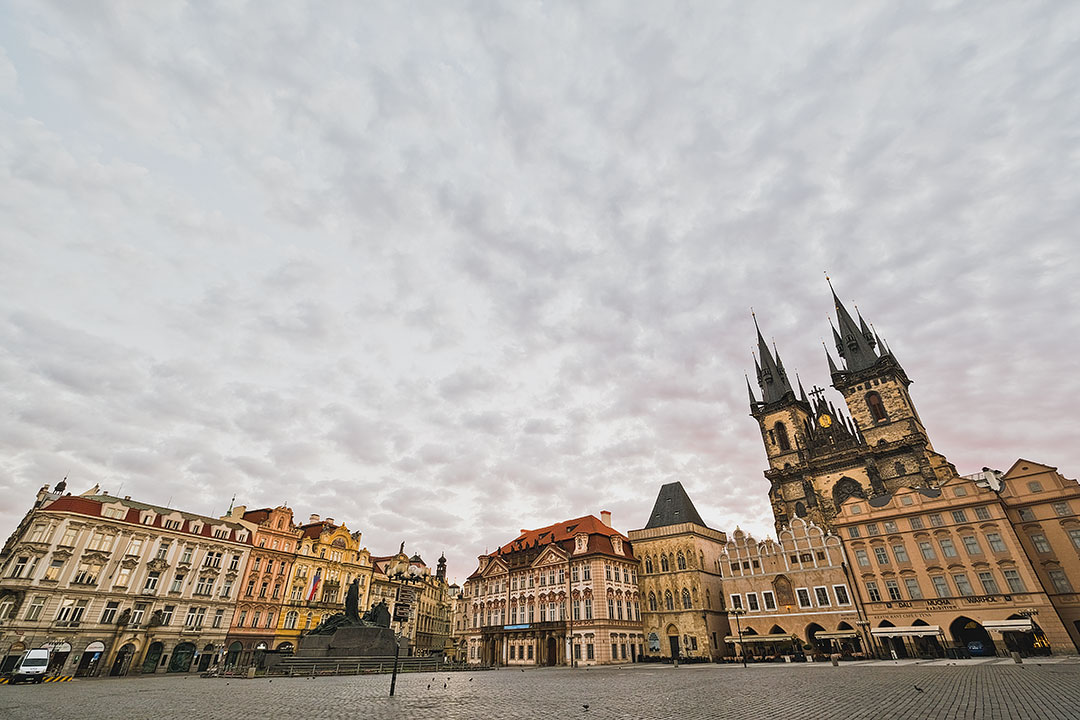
x,y
31,666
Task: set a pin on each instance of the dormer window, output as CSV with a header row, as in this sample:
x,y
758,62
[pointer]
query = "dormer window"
x,y
148,518
196,528
616,545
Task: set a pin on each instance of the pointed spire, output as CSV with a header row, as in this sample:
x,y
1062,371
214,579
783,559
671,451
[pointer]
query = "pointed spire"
x,y
832,365
771,375
750,390
802,393
855,340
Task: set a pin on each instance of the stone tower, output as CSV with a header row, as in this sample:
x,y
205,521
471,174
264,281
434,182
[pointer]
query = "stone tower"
x,y
818,456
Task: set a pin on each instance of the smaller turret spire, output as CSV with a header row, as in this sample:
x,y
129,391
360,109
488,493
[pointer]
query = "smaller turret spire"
x,y
750,391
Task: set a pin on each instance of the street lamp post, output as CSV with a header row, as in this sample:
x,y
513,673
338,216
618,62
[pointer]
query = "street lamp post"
x,y
863,625
737,612
401,572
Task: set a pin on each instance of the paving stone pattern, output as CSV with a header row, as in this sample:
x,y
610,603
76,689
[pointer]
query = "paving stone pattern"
x,y
806,692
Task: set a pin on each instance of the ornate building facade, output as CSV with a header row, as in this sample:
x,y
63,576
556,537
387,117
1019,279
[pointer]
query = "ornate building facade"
x,y
819,455
114,586
328,558
420,610
947,568
794,597
562,594
263,587
680,580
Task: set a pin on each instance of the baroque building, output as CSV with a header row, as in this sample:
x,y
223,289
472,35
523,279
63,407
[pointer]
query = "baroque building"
x,y
329,558
819,455
679,582
564,594
968,566
114,586
263,587
420,610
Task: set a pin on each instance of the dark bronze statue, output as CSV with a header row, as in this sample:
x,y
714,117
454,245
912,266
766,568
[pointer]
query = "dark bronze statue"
x,y
377,616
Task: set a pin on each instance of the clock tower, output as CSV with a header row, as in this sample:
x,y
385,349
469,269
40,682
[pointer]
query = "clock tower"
x,y
818,455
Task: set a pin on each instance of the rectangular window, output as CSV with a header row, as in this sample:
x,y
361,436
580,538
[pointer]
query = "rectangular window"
x,y
890,526
68,538
577,651
995,542
1039,541
963,585
893,589
853,531
34,611
862,558
872,591
87,574
205,586
1061,582
588,610
900,553
1013,580
936,520
52,572
913,590
177,583
941,587
736,602
841,593
989,584
1074,536
586,574
151,581
219,618
971,545
1026,515
1061,509
768,599
881,555
982,512
590,653
959,516
872,529
752,602
947,548
821,594
927,551
64,613
916,523
803,596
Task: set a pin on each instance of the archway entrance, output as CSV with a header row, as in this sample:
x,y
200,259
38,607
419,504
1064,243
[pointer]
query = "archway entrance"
x,y
971,635
234,654
206,657
181,657
926,646
893,646
821,645
91,657
123,660
60,650
285,648
552,654
153,657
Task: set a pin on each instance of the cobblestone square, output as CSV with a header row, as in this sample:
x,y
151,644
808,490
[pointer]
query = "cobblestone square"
x,y
879,690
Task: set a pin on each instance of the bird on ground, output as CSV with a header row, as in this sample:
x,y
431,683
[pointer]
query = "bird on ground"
x,y
429,686
444,685
586,706
917,688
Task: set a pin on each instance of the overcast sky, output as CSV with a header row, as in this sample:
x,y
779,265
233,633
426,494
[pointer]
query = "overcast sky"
x,y
445,270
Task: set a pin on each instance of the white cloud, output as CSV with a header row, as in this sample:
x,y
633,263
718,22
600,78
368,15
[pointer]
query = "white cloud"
x,y
443,275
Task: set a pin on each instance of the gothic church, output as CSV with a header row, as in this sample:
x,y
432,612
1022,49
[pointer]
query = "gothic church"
x,y
818,455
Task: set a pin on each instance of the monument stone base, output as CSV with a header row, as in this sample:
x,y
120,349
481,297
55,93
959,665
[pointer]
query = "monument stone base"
x,y
349,641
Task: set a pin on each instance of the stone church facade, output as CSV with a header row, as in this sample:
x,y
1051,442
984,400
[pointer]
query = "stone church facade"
x,y
819,454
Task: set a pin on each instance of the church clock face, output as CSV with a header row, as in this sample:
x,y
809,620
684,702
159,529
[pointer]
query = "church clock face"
x,y
825,420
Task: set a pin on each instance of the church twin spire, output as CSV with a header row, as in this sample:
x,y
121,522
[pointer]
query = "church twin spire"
x,y
771,376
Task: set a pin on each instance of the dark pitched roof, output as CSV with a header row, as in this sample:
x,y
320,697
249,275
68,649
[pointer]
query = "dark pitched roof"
x,y
673,506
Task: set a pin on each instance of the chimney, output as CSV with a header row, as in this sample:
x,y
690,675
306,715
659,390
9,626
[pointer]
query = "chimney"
x,y
330,520
314,518
605,517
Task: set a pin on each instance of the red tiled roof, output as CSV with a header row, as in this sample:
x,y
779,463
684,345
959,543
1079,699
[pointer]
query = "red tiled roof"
x,y
74,503
315,529
257,516
561,532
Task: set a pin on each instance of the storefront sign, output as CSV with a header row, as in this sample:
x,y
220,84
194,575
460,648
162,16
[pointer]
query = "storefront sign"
x,y
516,627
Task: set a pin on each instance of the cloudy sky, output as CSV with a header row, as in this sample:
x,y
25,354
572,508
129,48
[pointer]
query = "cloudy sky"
x,y
444,270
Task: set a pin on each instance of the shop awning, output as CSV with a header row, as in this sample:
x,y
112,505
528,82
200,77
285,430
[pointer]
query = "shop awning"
x,y
1016,625
778,638
911,631
838,635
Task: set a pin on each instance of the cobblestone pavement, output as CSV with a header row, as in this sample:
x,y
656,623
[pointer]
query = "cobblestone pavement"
x,y
807,692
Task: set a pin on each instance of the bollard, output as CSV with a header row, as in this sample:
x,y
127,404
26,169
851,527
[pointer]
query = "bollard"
x,y
835,660
251,672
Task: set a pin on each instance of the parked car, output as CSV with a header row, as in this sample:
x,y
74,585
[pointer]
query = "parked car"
x,y
31,666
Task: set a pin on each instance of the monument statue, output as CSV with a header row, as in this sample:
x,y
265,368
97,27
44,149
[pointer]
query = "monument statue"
x,y
352,602
347,634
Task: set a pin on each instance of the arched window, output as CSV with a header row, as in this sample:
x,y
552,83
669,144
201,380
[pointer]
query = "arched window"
x,y
686,599
669,601
782,436
708,599
652,601
681,561
648,564
664,566
899,468
290,620
800,510
876,407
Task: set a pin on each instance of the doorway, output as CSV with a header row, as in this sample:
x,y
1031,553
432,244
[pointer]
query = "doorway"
x,y
971,635
153,657
123,660
673,643
552,652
